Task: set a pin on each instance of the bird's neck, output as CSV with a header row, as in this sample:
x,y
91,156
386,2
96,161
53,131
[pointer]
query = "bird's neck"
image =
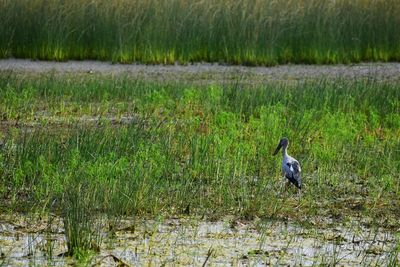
x,y
284,151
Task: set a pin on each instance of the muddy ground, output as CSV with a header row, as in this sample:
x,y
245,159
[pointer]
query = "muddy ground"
x,y
208,73
192,241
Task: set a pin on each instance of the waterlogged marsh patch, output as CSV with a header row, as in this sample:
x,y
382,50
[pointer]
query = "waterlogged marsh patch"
x,y
188,241
171,149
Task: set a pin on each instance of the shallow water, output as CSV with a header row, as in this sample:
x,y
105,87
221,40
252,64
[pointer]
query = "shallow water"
x,y
188,242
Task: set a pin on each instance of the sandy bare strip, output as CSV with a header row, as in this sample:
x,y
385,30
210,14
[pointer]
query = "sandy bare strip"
x,y
206,71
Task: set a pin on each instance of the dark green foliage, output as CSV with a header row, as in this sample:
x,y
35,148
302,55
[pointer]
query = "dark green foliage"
x,y
250,32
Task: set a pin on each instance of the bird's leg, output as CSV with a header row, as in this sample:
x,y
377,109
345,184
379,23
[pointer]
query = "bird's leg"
x,y
299,193
283,184
287,186
279,189
299,198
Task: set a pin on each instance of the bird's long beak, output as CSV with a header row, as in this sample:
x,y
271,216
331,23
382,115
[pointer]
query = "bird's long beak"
x,y
277,149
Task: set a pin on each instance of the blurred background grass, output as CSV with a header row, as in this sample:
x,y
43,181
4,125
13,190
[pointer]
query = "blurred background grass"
x,y
248,32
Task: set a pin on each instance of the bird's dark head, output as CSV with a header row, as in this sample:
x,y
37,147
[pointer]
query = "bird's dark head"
x,y
284,142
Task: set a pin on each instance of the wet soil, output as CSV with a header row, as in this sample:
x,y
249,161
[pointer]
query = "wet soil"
x,y
208,73
193,241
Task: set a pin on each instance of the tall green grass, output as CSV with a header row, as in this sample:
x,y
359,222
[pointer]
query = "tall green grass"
x,y
82,224
203,150
250,32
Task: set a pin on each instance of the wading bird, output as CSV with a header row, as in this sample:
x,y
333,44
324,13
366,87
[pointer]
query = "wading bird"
x,y
290,166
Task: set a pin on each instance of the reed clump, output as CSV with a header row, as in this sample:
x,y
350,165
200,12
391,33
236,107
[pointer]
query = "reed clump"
x,y
82,223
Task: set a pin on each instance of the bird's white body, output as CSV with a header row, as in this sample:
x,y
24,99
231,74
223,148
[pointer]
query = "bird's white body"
x,y
290,166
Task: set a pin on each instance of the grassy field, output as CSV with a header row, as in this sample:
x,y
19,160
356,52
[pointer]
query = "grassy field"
x,y
248,32
137,147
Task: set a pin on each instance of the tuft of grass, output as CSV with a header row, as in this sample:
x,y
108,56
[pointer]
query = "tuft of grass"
x,y
248,32
82,224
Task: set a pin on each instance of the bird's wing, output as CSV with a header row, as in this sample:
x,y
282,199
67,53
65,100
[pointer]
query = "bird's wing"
x,y
294,175
296,167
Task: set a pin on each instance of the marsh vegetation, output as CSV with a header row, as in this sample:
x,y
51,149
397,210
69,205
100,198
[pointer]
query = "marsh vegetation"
x,y
93,149
251,32
117,164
